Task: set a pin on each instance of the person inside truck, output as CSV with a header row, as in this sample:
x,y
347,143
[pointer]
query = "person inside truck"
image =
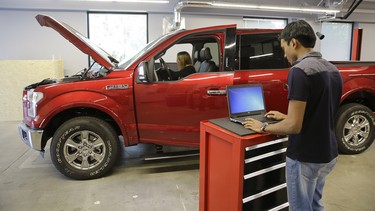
x,y
184,64
314,93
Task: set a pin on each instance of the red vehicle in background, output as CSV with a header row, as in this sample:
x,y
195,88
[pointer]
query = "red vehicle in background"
x,y
85,114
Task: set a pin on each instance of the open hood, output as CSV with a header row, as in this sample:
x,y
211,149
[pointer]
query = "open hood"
x,y
80,41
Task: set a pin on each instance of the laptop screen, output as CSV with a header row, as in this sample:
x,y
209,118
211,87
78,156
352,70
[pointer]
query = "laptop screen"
x,y
245,99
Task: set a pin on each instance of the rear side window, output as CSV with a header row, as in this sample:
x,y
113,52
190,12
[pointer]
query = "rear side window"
x,y
214,47
260,51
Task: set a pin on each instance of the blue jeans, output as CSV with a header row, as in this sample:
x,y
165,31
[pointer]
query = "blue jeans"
x,y
305,182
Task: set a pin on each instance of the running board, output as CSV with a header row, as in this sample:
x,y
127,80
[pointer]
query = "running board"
x,y
171,155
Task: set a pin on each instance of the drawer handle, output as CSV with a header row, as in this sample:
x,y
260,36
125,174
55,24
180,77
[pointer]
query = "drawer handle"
x,y
263,193
266,155
266,144
263,171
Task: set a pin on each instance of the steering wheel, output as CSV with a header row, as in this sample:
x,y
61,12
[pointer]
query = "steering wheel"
x,y
165,67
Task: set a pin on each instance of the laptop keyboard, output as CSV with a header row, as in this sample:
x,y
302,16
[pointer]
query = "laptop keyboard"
x,y
257,117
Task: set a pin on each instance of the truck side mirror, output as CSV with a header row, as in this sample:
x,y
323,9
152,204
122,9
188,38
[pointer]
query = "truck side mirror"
x,y
142,73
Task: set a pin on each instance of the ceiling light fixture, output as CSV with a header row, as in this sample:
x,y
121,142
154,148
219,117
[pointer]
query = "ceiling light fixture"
x,y
201,4
273,8
134,1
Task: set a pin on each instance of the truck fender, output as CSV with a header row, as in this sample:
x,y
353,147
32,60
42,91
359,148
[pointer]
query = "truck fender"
x,y
357,85
87,99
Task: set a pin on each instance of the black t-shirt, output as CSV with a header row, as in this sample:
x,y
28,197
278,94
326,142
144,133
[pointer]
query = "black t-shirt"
x,y
183,73
318,83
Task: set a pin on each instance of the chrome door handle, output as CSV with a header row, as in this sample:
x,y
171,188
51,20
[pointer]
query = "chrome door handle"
x,y
216,92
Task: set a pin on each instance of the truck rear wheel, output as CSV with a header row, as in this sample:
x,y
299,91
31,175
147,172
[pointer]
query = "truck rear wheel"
x,y
84,148
355,127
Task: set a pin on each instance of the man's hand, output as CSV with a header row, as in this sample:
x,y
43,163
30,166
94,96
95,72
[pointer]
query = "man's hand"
x,y
275,115
253,124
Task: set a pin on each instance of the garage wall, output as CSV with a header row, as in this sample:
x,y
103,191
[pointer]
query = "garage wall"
x,y
17,74
368,41
22,38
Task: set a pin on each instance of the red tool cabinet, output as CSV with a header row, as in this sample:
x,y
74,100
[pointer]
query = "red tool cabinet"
x,y
241,172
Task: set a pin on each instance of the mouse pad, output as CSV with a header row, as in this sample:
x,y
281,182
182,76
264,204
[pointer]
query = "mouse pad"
x,y
231,126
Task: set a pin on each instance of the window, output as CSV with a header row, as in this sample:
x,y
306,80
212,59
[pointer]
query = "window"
x,y
122,35
214,48
264,23
167,58
171,55
336,45
260,51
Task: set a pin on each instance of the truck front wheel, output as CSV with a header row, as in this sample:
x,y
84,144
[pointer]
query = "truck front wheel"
x,y
355,127
84,148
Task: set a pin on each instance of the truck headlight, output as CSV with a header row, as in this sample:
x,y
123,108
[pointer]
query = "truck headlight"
x,y
32,100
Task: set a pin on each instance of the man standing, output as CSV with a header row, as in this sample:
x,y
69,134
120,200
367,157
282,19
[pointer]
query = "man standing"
x,y
315,88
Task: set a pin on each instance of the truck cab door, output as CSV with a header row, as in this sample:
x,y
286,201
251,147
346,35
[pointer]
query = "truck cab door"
x,y
169,112
260,59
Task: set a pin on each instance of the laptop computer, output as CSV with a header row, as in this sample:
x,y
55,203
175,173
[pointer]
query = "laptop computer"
x,y
246,101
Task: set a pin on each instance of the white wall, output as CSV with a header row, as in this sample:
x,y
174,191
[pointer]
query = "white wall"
x,y
22,38
368,41
11,86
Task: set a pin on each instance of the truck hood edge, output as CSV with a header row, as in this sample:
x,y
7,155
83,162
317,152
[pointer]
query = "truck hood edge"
x,y
81,42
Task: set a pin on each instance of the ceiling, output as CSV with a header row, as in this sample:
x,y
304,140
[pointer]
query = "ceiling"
x,y
366,6
342,5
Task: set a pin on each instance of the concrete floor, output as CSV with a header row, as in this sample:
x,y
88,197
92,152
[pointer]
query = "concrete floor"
x,y
29,182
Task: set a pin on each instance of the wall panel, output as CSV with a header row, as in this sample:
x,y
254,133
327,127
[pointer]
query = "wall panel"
x,y
15,75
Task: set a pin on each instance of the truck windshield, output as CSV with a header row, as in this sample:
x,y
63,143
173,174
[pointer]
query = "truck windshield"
x,y
147,48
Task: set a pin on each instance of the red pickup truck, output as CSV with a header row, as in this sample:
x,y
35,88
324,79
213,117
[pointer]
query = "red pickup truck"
x,y
85,114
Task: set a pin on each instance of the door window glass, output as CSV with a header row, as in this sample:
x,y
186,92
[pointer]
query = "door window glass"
x,y
171,54
260,51
214,48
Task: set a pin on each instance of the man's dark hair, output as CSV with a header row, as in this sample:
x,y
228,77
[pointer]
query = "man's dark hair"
x,y
301,31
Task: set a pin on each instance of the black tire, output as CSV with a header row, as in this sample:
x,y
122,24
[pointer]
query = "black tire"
x,y
355,127
84,148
